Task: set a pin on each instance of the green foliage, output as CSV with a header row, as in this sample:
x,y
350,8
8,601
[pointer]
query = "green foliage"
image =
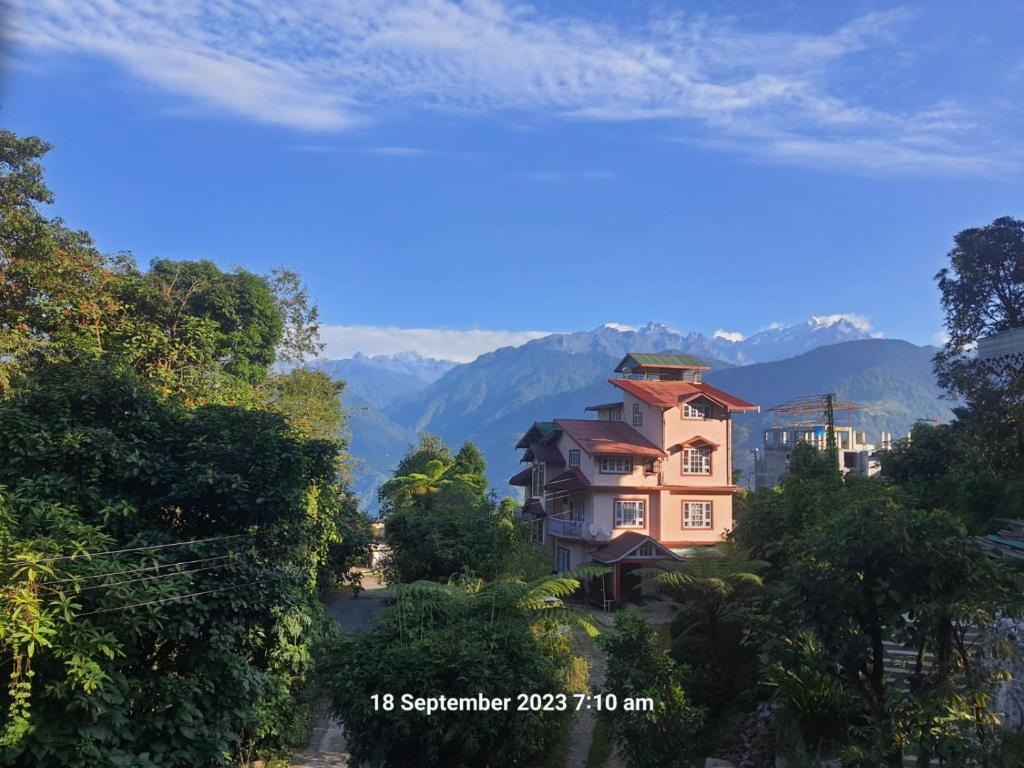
x,y
861,568
499,638
982,293
163,531
440,522
670,735
815,708
310,401
718,594
300,320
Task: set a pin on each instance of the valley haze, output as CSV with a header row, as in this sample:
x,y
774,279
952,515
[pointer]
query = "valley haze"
x,y
391,399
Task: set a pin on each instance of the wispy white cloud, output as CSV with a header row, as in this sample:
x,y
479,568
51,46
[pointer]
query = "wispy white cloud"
x,y
460,346
729,335
334,65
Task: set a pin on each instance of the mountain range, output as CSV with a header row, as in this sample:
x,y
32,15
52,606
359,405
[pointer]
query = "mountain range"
x,y
494,399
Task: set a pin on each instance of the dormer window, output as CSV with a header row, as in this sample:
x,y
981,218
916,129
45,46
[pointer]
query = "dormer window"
x,y
638,415
700,409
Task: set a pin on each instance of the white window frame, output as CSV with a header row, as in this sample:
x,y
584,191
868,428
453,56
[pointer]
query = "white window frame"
x,y
695,410
638,415
705,518
537,487
616,465
697,460
574,457
637,513
647,549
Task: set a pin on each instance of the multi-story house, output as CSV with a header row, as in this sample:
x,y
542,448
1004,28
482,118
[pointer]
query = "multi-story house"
x,y
854,454
650,478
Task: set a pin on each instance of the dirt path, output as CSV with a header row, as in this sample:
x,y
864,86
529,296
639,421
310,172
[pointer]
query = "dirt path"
x,y
327,748
584,723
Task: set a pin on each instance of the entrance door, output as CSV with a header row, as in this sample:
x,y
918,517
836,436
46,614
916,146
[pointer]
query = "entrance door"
x,y
562,561
629,581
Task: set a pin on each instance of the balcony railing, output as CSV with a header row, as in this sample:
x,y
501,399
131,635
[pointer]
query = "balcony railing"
x,y
560,527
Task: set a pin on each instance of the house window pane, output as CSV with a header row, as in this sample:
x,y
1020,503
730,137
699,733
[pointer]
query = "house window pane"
x,y
698,410
621,465
696,514
574,458
697,461
629,513
638,415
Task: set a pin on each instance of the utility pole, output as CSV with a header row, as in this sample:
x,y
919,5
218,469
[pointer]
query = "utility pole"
x,y
830,426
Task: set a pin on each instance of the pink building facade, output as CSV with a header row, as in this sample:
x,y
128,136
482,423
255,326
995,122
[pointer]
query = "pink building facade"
x,y
648,479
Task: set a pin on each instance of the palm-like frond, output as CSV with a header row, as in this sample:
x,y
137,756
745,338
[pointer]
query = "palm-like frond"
x,y
716,573
539,602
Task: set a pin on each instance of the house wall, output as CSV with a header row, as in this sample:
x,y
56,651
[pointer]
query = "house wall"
x,y
717,430
652,427
670,519
600,510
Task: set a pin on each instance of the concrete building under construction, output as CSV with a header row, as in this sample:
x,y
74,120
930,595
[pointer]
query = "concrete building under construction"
x,y
810,420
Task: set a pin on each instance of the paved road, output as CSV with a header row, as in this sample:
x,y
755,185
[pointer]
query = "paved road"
x,y
327,748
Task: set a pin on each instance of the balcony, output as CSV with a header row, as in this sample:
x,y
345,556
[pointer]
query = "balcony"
x,y
565,528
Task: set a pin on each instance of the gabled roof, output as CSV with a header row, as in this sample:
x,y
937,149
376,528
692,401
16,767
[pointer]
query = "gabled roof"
x,y
549,454
522,478
539,432
535,508
653,360
608,437
570,481
622,546
603,406
696,440
668,394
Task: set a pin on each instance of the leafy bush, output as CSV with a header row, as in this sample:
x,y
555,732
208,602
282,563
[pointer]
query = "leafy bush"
x,y
499,639
670,735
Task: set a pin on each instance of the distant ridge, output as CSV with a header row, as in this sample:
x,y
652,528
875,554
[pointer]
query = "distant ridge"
x,y
493,399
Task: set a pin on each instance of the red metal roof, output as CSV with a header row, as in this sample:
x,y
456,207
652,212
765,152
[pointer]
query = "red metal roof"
x,y
608,437
668,394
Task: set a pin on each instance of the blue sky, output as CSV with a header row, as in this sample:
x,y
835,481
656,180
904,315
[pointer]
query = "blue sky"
x,y
477,171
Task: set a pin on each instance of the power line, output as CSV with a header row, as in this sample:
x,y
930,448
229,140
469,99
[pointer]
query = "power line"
x,y
158,567
90,555
170,599
168,575
136,570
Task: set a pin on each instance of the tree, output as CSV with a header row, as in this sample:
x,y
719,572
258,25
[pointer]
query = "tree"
x,y
716,591
163,532
310,400
670,735
500,639
872,571
982,294
417,461
300,336
983,287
